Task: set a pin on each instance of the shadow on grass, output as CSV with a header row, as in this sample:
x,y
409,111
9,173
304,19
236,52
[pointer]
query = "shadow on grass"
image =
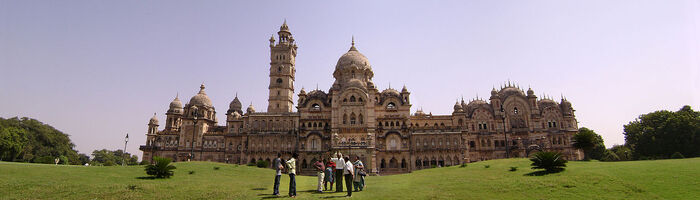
x,y
146,177
258,189
544,172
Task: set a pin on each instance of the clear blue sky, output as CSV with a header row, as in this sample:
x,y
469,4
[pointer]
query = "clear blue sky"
x,y
99,69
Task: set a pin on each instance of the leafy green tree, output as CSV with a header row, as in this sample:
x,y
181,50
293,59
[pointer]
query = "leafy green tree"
x,y
622,152
37,141
12,142
659,134
587,140
548,160
102,157
83,158
161,168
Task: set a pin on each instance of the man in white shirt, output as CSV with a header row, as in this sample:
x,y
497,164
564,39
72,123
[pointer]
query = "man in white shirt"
x,y
349,172
339,166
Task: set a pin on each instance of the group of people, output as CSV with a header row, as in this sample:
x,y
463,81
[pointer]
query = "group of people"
x,y
353,172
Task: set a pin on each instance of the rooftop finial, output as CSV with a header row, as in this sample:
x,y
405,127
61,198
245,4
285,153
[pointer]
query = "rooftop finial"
x,y
201,88
352,47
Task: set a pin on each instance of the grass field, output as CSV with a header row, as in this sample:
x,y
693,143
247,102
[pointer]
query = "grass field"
x,y
660,179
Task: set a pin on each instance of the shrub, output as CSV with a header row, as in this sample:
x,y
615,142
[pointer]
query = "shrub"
x,y
610,156
512,169
549,161
463,165
161,168
216,168
144,162
677,155
262,164
487,166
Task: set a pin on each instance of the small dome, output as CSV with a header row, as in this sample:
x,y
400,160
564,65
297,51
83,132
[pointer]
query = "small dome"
x,y
201,99
404,90
458,107
494,92
284,27
419,112
154,120
477,102
176,106
391,91
235,104
302,92
250,109
530,92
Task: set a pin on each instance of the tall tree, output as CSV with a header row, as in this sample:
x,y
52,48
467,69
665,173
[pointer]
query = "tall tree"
x,y
38,142
659,134
587,140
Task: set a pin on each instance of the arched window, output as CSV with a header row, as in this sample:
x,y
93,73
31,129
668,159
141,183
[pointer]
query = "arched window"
x,y
391,105
392,144
279,69
362,120
352,118
345,118
360,99
515,110
279,81
352,98
315,107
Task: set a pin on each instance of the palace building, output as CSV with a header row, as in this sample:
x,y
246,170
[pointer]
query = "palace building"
x,y
357,118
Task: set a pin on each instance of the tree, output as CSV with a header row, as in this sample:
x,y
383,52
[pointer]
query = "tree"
x,y
661,133
622,152
36,142
587,140
549,161
161,168
83,158
109,158
12,142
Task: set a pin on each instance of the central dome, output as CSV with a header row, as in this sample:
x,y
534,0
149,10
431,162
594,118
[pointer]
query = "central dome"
x,y
353,58
201,99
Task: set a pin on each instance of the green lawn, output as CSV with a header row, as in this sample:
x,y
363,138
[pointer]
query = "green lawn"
x,y
661,179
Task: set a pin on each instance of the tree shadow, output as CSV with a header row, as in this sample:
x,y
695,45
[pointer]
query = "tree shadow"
x,y
544,172
258,189
146,177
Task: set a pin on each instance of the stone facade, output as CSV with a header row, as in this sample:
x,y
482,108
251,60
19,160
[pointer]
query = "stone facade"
x,y
356,118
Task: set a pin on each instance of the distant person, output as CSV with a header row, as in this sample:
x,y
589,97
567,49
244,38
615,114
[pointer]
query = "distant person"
x,y
339,166
349,172
359,180
277,165
320,168
330,165
292,168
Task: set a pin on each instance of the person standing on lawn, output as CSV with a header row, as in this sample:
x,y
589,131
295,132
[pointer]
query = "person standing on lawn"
x,y
339,166
292,166
320,168
277,164
328,175
349,172
359,180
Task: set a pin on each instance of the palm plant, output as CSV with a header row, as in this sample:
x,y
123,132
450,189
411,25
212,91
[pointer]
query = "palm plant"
x,y
161,168
549,161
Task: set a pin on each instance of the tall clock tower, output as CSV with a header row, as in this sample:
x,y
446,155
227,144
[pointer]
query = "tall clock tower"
x,y
282,59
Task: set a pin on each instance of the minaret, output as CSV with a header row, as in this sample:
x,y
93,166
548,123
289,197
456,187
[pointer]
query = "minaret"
x,y
282,59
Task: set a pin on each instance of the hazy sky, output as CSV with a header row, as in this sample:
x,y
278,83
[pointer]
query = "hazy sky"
x,y
100,69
